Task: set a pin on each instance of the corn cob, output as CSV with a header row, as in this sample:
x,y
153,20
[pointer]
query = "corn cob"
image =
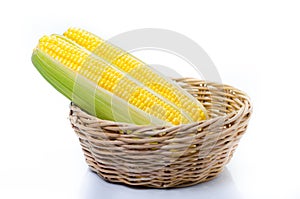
x,y
56,54
140,71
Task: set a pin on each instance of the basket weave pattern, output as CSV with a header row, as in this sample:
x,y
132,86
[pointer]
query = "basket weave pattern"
x,y
162,156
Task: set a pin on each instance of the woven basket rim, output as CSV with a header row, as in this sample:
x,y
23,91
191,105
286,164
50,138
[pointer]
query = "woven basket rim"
x,y
212,119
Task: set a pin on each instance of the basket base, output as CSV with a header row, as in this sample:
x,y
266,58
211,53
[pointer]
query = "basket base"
x,y
198,177
95,169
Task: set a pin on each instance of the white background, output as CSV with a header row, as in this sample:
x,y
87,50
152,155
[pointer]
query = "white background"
x,y
254,44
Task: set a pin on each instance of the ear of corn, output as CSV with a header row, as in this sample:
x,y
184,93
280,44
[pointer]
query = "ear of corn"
x,y
140,71
87,93
92,77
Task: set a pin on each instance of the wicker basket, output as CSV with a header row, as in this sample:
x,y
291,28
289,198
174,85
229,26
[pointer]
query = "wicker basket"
x,y
164,156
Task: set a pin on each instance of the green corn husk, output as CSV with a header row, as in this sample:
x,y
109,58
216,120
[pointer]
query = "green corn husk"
x,y
89,96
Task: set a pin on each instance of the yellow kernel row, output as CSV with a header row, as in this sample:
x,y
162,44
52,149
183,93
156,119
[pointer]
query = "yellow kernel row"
x,y
83,38
149,103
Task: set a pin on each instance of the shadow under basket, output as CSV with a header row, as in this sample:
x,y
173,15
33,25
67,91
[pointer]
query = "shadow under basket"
x,y
167,156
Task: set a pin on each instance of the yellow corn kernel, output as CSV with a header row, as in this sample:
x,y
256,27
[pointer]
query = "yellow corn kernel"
x,y
138,70
109,78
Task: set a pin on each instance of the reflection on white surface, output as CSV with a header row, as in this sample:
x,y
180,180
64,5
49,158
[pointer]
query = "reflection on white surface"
x,y
221,187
